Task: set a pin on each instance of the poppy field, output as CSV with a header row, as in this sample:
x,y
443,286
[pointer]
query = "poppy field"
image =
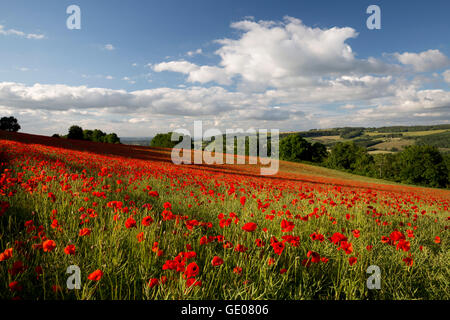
x,y
148,229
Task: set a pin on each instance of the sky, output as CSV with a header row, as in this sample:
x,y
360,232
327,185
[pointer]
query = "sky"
x,y
142,67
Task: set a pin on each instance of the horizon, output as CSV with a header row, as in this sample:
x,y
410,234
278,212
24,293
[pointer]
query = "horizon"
x,y
281,132
155,67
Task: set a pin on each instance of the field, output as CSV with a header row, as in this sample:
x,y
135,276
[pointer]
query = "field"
x,y
140,227
389,144
379,141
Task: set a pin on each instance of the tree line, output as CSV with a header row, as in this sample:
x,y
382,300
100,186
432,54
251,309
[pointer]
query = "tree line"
x,y
96,135
75,132
421,165
9,124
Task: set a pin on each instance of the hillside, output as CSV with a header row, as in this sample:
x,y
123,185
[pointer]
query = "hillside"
x,y
139,227
288,171
382,139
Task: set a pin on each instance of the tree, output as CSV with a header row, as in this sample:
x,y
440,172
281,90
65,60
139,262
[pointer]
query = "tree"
x,y
348,133
75,132
9,124
351,157
423,165
164,140
319,152
387,166
111,138
342,156
364,163
98,135
87,135
295,148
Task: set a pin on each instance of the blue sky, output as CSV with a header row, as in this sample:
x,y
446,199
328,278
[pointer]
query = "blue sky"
x,y
141,67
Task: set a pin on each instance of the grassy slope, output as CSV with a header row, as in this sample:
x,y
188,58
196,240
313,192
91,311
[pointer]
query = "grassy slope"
x,y
300,172
385,144
128,264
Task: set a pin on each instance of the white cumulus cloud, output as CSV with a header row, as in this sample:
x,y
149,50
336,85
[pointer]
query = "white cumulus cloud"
x,y
19,33
429,60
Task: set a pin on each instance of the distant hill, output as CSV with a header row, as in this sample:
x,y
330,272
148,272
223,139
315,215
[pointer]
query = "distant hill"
x,y
136,141
383,139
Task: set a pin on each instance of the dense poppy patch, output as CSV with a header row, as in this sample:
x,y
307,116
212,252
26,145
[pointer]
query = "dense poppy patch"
x,y
154,230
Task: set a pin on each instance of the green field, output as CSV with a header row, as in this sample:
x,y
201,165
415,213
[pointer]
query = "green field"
x,y
383,141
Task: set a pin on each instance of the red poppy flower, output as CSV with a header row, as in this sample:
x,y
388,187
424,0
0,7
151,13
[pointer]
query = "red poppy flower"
x,y
84,232
7,254
240,248
193,282
352,260
130,223
317,236
96,275
306,262
14,286
216,261
54,224
153,194
404,245
17,268
52,196
250,227
408,261
260,243
243,199
396,236
192,270
278,247
48,245
385,239
70,249
337,238
146,221
287,226
237,270
314,256
203,240
153,282
346,246
437,239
